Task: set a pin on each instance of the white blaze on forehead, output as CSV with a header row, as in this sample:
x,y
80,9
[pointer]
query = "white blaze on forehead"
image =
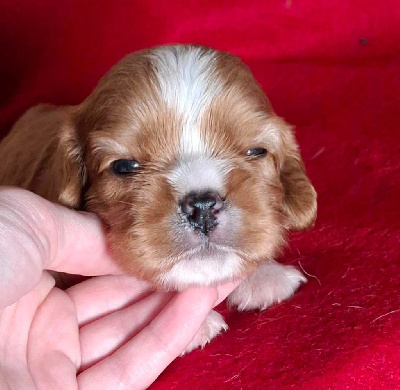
x,y
197,175
188,84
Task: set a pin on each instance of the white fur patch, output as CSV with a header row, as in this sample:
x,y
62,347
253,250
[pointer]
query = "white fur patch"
x,y
271,283
203,270
199,174
212,326
188,84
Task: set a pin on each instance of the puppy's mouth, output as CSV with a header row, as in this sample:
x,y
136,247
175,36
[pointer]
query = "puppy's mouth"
x,y
205,264
207,249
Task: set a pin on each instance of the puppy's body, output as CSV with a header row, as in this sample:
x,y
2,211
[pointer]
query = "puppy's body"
x,y
180,154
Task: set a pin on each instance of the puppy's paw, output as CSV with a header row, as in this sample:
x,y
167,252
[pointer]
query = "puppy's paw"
x,y
272,283
210,328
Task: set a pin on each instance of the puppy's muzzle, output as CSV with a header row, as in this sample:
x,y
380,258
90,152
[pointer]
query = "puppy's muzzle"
x,y
201,210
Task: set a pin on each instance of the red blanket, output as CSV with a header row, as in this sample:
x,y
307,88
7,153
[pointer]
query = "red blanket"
x,y
332,68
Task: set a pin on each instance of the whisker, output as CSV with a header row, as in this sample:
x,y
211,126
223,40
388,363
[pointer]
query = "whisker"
x,y
119,222
128,203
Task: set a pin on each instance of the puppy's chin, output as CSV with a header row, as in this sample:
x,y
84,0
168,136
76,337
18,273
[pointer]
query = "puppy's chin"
x,y
203,267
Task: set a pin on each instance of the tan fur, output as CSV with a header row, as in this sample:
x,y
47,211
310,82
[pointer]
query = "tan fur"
x,y
63,154
41,154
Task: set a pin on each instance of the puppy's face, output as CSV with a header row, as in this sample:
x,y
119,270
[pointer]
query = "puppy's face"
x,y
193,174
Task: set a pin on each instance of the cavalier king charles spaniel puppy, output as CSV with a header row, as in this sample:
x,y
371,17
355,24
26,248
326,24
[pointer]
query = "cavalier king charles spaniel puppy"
x,y
194,176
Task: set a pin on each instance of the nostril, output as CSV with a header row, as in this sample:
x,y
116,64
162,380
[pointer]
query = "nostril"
x,y
219,202
187,206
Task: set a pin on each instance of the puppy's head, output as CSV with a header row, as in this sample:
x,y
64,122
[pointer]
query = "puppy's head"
x,y
193,174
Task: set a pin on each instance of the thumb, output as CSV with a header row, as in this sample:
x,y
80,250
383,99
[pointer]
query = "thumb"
x,y
36,234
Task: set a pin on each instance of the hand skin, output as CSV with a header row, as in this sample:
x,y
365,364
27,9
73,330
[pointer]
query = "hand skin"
x,y
107,332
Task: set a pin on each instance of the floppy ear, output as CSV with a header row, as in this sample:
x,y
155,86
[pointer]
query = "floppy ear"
x,y
42,154
300,198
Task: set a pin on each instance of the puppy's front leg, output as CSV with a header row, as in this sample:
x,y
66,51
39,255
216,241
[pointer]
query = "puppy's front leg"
x,y
209,329
271,283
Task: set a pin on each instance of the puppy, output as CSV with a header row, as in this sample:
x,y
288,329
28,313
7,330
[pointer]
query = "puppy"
x,y
182,157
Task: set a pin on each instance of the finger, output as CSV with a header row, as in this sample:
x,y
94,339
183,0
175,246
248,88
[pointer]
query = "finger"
x,y
225,289
15,326
81,246
37,235
104,336
140,361
53,348
102,295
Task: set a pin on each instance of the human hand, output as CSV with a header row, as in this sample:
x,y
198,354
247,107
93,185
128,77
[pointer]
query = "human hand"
x,y
107,332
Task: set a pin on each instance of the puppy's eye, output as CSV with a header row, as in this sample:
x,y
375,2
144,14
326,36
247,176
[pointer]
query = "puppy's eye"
x,y
124,167
256,152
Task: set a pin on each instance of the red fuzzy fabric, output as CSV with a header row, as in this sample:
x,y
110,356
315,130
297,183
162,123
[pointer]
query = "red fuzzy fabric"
x,y
332,68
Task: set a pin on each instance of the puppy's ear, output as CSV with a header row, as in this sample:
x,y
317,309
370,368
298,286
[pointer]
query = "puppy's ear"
x,y
42,154
300,198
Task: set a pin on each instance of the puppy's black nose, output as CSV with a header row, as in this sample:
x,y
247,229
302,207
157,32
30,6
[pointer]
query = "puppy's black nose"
x,y
201,210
